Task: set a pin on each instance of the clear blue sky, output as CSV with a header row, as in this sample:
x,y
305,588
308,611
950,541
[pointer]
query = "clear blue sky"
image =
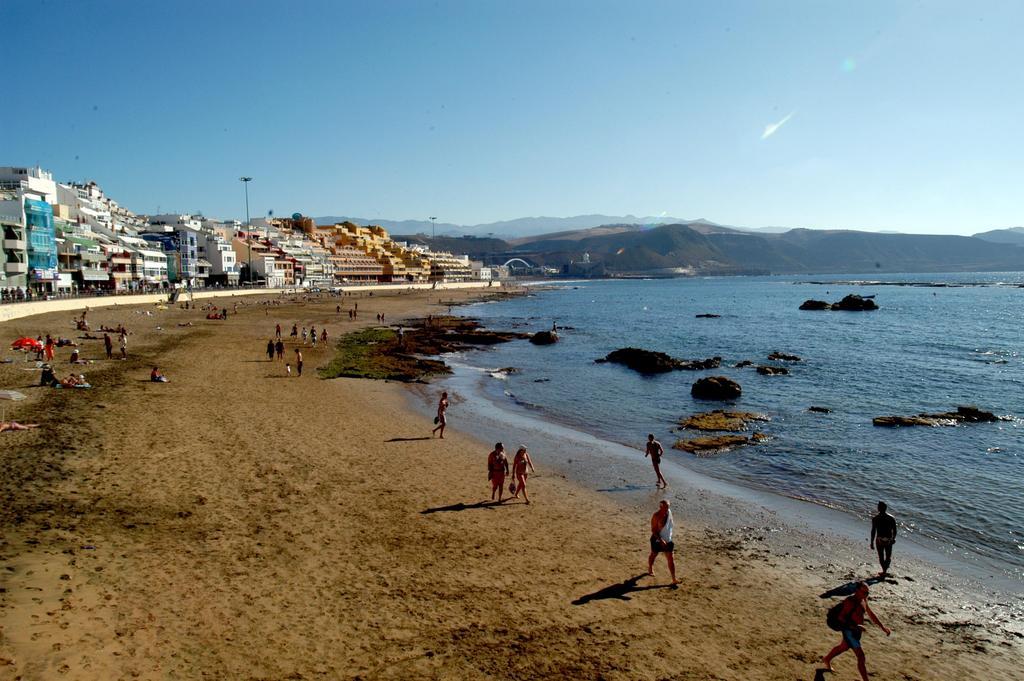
x,y
902,115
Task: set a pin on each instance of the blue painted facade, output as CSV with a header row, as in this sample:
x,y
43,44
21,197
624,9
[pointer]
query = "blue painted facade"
x,y
42,241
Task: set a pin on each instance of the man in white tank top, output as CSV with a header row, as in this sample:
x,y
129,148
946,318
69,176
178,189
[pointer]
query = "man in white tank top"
x,y
661,539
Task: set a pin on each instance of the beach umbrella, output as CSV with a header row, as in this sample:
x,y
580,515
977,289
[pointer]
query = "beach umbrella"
x,y
11,395
26,343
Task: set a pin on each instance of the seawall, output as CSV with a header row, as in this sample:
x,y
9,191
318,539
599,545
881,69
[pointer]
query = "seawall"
x,y
11,311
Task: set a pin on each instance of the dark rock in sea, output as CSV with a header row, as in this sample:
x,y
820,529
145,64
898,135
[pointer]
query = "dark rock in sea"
x,y
705,446
541,380
651,362
716,388
784,357
743,363
544,338
644,361
707,316
820,410
719,420
855,303
772,371
700,364
815,305
949,418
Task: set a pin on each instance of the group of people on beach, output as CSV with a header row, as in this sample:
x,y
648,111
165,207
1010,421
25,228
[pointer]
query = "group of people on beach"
x,y
847,617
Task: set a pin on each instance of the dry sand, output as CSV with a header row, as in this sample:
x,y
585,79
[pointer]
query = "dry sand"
x,y
237,524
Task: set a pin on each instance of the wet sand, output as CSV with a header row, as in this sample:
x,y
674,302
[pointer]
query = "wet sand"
x,y
238,524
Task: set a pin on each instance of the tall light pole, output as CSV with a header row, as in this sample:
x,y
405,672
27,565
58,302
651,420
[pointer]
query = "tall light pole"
x,y
433,227
248,231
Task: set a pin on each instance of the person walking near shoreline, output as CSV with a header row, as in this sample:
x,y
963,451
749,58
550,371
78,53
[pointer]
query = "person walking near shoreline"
x,y
883,536
497,469
440,419
849,619
656,451
520,463
661,539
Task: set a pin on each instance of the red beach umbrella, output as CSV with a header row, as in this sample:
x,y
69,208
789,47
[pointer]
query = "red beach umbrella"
x,y
26,343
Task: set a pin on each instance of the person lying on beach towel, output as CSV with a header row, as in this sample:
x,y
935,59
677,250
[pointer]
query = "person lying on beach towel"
x,y
73,381
10,426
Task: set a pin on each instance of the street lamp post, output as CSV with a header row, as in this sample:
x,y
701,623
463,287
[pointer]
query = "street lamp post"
x,y
248,228
433,227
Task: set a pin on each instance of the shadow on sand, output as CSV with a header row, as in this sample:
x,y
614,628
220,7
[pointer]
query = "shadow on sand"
x,y
408,439
486,504
847,589
621,591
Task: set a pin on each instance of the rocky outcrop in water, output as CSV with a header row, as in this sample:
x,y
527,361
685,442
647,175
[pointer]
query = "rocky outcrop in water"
x,y
772,371
949,418
719,420
851,303
855,303
716,388
706,446
743,363
819,410
651,362
782,356
707,315
544,338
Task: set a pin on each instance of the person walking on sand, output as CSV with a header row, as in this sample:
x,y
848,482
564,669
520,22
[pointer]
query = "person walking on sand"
x,y
323,336
108,345
279,349
124,344
295,330
440,419
520,464
661,539
271,348
883,536
298,361
656,451
497,469
277,330
850,621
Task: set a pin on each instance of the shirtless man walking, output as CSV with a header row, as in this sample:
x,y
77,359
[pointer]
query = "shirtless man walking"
x,y
655,451
883,536
661,539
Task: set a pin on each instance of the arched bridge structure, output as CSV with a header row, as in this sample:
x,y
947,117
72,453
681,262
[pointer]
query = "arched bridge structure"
x,y
522,262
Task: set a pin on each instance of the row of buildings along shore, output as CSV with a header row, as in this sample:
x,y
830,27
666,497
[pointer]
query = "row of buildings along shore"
x,y
72,238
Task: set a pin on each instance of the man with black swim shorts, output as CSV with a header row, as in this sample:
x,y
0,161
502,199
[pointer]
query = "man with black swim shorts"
x,y
883,536
661,539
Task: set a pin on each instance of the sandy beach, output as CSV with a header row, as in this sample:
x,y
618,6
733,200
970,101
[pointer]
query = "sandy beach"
x,y
236,523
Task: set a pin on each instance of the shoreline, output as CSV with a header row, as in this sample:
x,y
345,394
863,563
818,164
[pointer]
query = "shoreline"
x,y
236,523
792,527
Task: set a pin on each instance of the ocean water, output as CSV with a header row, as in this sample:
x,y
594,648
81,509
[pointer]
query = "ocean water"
x,y
959,490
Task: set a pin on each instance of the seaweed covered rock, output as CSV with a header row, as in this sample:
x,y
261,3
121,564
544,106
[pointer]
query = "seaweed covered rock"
x,y
815,305
716,388
705,446
719,420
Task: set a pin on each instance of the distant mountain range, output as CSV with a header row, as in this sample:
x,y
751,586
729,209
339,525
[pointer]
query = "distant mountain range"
x,y
702,248
628,244
1010,235
508,229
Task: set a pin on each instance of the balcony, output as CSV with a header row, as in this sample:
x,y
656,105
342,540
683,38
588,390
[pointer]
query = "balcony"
x,y
15,244
14,267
